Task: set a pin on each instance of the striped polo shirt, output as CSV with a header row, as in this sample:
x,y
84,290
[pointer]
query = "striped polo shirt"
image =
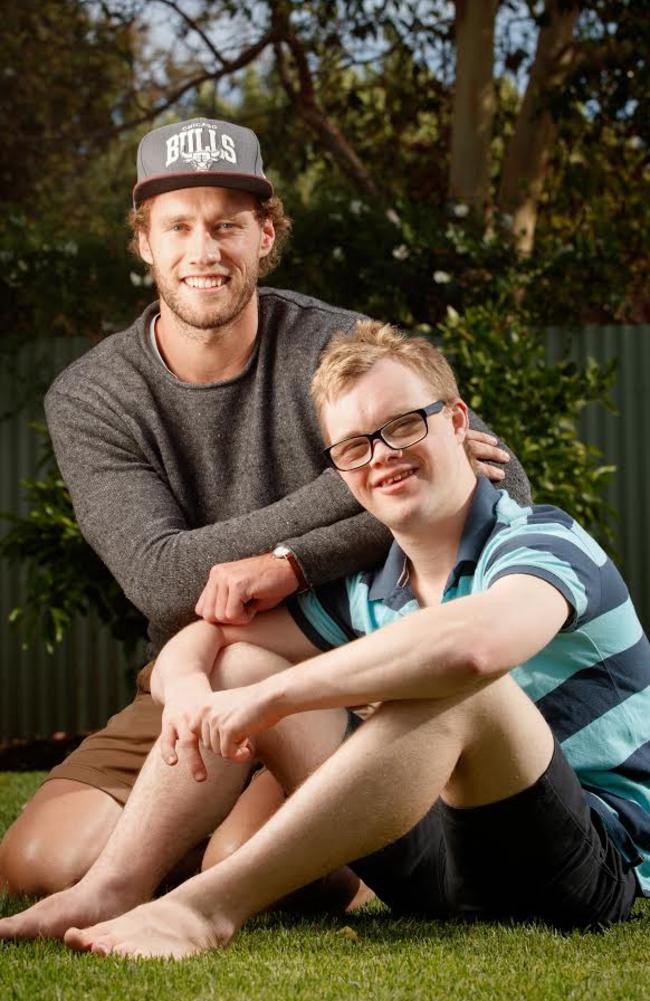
x,y
591,682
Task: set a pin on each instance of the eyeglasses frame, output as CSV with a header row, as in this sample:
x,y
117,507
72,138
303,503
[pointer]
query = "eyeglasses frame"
x,y
373,436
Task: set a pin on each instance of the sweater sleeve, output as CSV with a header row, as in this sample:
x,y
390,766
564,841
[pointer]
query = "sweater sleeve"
x,y
131,518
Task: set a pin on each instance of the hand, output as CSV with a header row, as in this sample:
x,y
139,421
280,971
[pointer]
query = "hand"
x,y
484,450
180,733
234,717
235,592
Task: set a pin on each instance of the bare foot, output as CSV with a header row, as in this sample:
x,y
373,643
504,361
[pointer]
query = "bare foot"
x,y
79,905
165,927
363,896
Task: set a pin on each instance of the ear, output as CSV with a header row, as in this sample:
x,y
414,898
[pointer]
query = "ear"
x,y
267,238
459,419
144,248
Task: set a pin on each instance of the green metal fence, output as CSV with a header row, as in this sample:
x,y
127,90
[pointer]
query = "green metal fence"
x,y
87,678
622,437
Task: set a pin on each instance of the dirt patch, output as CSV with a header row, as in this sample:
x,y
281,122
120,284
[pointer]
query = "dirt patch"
x,y
37,755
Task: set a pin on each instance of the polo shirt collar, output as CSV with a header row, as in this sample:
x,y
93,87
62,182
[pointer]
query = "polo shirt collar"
x,y
478,526
390,582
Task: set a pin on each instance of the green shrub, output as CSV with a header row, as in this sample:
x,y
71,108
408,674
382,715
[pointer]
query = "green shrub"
x,y
503,373
64,576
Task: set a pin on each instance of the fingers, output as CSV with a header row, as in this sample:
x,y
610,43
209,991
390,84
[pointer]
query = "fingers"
x,y
494,473
485,436
485,448
202,604
222,740
236,591
168,738
190,755
226,600
237,749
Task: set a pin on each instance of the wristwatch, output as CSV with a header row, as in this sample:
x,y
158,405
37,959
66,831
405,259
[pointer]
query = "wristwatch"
x,y
283,552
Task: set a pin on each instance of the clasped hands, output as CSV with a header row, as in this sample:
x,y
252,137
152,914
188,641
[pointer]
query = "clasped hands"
x,y
221,722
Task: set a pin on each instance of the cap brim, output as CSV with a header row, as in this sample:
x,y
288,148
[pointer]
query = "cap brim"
x,y
160,183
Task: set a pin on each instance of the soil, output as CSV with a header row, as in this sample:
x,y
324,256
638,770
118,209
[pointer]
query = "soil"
x,y
37,755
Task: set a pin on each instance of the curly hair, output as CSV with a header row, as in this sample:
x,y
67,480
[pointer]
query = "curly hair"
x,y
266,208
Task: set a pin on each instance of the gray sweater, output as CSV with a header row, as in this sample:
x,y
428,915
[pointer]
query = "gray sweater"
x,y
168,478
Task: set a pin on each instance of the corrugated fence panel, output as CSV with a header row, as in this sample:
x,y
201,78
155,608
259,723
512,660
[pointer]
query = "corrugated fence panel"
x,y
622,437
88,676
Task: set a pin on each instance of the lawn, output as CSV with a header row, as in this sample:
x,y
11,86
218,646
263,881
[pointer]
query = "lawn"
x,y
364,956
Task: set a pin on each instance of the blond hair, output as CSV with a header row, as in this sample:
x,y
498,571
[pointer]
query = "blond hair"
x,y
346,358
267,208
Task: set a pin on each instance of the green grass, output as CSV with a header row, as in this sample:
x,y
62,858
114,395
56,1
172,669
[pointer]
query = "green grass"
x,y
276,958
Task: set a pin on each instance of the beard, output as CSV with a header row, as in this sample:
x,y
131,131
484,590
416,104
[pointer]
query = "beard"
x,y
238,293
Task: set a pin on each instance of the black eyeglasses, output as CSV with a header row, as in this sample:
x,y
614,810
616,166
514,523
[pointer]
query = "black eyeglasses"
x,y
400,432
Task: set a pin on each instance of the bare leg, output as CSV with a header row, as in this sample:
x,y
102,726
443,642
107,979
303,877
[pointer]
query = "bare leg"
x,y
473,750
56,838
168,812
338,891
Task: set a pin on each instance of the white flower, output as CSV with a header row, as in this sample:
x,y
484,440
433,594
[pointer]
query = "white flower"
x,y
441,277
337,253
401,253
356,206
461,210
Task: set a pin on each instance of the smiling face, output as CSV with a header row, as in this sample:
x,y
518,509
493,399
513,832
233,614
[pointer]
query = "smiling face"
x,y
204,246
407,489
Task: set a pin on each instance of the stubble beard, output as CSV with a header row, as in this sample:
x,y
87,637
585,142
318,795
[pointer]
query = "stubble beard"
x,y
219,315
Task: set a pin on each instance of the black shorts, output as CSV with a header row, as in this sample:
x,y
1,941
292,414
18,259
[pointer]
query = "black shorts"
x,y
542,854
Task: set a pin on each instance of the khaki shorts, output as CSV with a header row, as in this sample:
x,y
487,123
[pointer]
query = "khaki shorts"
x,y
111,759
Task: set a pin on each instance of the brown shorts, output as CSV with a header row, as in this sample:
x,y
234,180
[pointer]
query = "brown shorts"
x,y
111,759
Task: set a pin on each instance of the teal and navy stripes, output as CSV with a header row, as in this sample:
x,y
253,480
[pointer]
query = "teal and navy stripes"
x,y
591,682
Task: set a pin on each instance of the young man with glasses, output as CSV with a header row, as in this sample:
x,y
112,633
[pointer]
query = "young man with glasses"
x,y
504,773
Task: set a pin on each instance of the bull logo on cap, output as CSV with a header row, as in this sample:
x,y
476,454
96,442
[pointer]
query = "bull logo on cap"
x,y
200,160
189,146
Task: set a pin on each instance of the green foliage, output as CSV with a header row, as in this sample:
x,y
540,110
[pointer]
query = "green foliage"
x,y
503,373
64,577
382,74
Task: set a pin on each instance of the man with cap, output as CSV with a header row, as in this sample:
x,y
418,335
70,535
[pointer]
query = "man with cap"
x,y
190,448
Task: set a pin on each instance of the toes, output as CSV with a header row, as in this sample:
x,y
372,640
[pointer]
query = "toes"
x,y
77,938
102,947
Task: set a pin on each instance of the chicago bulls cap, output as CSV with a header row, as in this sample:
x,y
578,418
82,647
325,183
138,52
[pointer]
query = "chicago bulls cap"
x,y
198,153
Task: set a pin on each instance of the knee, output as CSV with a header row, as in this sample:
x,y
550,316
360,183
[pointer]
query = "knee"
x,y
244,664
32,865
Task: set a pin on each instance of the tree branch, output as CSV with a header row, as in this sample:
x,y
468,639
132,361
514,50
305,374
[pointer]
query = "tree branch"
x,y
194,26
227,68
304,100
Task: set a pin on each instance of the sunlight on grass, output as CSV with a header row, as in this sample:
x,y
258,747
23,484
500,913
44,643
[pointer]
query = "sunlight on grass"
x,y
277,958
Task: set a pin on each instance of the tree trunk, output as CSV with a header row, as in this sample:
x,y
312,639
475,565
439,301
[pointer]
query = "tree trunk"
x,y
473,104
529,151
